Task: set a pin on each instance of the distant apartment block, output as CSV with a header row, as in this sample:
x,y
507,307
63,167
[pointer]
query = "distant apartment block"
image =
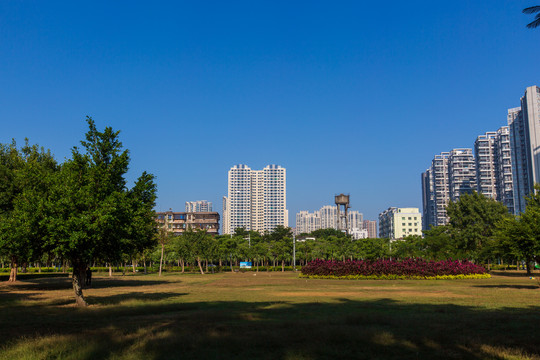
x,y
307,222
524,123
326,218
198,206
371,227
179,222
436,191
494,166
397,223
462,173
256,199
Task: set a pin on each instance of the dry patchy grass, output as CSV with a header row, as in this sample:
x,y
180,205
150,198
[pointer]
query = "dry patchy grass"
x,y
270,316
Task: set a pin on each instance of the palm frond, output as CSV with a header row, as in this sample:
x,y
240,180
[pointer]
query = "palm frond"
x,y
534,24
531,10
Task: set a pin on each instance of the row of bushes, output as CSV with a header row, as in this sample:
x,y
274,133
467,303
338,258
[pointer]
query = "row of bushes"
x,y
408,268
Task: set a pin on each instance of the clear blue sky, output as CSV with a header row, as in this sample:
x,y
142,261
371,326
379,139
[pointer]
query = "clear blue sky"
x,y
350,97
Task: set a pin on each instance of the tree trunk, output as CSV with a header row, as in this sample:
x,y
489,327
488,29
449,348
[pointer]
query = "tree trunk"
x,y
79,274
230,263
206,263
13,272
220,264
282,265
161,260
145,270
200,267
134,264
39,266
183,266
257,265
65,266
528,264
110,270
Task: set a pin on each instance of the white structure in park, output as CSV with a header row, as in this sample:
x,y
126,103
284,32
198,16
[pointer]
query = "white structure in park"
x,y
256,199
397,223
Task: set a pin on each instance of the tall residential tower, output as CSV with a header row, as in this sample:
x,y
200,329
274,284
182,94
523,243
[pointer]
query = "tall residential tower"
x,y
256,200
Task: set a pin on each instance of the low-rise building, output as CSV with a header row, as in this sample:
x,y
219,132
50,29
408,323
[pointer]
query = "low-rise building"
x,y
397,223
178,222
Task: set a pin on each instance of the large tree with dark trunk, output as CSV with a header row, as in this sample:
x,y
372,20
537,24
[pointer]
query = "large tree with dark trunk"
x,y
91,212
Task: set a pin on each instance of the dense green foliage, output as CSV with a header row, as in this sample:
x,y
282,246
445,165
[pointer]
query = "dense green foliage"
x,y
80,211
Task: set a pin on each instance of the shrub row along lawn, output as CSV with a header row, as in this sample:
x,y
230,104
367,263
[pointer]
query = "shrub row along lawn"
x,y
394,269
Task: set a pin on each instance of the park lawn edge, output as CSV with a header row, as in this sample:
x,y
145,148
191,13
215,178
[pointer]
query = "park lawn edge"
x,y
398,277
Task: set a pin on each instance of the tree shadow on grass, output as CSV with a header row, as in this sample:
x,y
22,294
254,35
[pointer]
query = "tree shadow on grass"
x,y
519,287
132,296
513,273
346,329
66,283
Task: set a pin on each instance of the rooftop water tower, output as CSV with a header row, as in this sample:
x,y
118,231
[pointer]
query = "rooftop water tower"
x,y
342,218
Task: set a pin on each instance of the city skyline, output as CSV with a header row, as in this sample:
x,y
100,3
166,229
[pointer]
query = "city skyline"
x,y
353,98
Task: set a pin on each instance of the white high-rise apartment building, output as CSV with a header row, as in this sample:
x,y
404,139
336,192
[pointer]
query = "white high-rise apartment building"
x,y
307,222
326,218
524,126
486,166
505,177
494,166
355,220
256,200
450,175
198,206
436,191
462,173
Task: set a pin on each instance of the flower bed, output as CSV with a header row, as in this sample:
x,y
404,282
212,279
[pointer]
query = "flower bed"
x,y
393,269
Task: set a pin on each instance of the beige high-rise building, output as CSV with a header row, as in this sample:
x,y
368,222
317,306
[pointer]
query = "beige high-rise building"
x,y
256,200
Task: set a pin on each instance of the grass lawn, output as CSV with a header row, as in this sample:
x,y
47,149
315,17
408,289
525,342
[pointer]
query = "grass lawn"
x,y
270,316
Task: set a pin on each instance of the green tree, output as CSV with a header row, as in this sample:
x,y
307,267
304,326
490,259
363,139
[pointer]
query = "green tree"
x,y
412,246
90,207
471,224
25,178
520,235
439,244
531,10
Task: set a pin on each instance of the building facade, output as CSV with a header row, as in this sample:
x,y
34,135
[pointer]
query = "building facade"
x,y
397,223
524,126
462,173
256,199
307,222
179,222
326,218
486,164
436,191
198,206
371,227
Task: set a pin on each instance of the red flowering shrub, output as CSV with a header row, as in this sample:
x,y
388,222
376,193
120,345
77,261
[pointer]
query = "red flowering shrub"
x,y
381,268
